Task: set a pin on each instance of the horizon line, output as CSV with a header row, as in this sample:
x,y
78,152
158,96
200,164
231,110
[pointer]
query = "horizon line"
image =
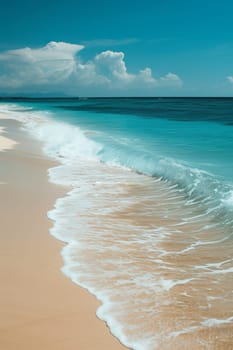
x,y
105,97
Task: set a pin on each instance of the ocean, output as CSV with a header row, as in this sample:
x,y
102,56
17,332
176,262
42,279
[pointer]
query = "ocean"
x,y
148,215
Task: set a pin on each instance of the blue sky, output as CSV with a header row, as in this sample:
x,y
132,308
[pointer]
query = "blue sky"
x,y
169,48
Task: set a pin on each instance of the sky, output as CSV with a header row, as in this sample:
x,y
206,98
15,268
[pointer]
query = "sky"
x,y
116,48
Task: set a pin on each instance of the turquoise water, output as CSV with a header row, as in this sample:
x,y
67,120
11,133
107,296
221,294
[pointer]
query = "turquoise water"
x,y
196,131
148,220
186,141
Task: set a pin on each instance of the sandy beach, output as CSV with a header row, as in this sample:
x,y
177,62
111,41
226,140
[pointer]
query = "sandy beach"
x,y
40,307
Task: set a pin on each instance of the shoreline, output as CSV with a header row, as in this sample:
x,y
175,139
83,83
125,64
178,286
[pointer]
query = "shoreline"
x,y
41,307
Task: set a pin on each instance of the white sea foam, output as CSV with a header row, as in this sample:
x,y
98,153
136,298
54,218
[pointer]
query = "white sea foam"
x,y
169,284
212,322
62,141
228,200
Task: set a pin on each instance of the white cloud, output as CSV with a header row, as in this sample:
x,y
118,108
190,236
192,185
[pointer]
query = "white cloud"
x,y
230,79
171,78
51,64
52,51
58,66
112,65
145,75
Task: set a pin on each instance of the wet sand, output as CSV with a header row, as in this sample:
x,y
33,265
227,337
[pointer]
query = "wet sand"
x,y
40,307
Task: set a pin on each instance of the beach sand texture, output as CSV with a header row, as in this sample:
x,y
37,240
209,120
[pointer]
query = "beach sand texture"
x,y
40,307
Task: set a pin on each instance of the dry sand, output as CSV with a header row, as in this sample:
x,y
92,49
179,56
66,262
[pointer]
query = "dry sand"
x,y
40,307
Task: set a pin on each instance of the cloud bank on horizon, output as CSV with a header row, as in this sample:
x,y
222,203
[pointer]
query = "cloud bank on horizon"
x,y
58,67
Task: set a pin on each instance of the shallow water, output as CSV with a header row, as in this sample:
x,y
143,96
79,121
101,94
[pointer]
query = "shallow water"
x,y
160,273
